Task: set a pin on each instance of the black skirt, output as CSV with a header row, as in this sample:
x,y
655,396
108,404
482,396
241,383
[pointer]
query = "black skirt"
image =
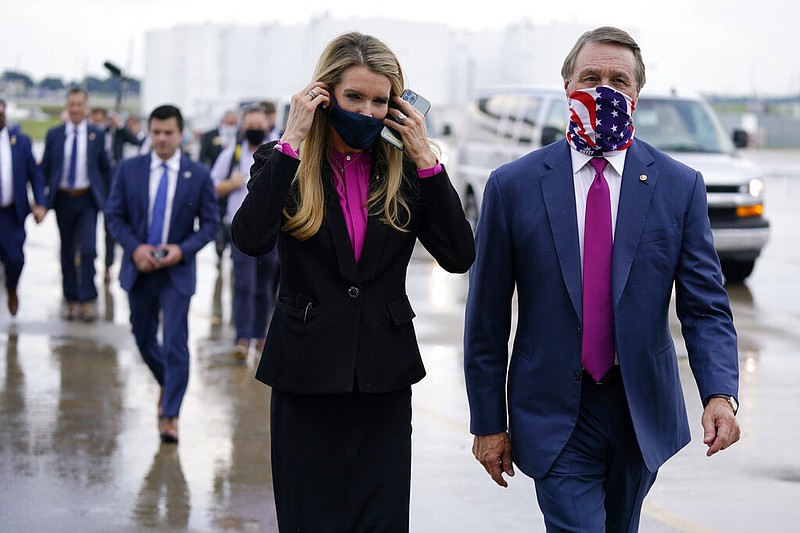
x,y
341,463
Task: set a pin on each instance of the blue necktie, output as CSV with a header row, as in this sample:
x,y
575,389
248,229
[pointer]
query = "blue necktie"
x,y
154,237
73,159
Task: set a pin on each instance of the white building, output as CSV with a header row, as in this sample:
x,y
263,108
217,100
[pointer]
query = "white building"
x,y
205,69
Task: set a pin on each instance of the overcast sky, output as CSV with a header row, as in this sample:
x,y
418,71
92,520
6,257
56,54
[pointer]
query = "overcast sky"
x,y
711,46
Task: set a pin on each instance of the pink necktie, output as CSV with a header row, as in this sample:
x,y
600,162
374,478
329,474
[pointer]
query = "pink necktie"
x,y
597,344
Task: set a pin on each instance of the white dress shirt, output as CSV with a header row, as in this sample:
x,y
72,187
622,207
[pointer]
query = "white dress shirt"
x,y
583,175
6,169
219,173
81,172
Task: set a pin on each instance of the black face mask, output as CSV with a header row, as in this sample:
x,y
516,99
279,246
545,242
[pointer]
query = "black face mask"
x,y
254,137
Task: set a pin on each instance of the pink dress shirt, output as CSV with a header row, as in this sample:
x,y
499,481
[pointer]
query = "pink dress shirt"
x,y
351,173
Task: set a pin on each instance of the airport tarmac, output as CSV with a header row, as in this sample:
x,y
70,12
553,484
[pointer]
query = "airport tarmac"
x,y
79,449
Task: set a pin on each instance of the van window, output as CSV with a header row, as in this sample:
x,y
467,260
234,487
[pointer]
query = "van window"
x,y
526,127
679,126
502,118
558,115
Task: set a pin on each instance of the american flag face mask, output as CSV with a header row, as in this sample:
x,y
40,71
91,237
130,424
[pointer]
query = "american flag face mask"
x,y
600,120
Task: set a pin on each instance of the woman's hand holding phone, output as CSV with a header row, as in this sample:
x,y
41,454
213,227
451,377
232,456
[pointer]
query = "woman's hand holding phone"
x,y
408,119
301,112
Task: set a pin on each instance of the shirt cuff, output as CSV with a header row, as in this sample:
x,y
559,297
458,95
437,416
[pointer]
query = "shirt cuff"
x,y
428,172
286,149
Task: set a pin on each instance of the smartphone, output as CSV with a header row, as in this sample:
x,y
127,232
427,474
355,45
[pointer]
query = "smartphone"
x,y
419,102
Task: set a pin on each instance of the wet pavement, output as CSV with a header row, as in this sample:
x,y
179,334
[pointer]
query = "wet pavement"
x,y
79,448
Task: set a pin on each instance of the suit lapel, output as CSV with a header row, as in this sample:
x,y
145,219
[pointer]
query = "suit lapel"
x,y
17,160
18,174
558,190
337,229
59,147
373,240
634,200
140,179
182,186
94,146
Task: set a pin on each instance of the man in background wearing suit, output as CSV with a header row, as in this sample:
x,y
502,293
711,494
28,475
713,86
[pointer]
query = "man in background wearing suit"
x,y
18,171
154,202
77,170
212,143
98,116
593,232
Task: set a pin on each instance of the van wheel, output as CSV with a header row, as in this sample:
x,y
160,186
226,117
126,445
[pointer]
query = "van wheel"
x,y
736,272
471,209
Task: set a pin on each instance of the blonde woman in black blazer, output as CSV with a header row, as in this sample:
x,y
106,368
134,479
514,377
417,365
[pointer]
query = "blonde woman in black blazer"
x,y
345,211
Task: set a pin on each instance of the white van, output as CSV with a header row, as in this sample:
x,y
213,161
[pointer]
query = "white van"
x,y
503,124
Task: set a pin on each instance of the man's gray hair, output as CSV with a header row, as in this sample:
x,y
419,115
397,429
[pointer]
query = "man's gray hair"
x,y
605,35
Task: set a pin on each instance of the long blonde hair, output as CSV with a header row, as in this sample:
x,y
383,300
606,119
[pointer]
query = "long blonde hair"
x,y
305,216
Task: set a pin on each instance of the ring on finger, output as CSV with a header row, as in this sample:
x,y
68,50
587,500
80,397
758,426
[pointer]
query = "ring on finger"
x,y
401,117
312,93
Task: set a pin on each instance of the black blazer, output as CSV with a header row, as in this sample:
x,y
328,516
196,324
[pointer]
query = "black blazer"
x,y
210,147
339,324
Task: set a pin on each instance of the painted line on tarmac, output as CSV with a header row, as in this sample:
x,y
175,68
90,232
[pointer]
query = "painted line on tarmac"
x,y
673,520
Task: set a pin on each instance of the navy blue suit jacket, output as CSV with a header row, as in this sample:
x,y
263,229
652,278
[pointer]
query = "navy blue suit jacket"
x,y
97,164
127,215
527,239
25,172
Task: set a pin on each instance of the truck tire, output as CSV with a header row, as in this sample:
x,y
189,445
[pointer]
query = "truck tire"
x,y
736,272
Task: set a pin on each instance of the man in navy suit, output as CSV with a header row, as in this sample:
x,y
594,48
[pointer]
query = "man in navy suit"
x,y
593,232
154,203
77,172
18,171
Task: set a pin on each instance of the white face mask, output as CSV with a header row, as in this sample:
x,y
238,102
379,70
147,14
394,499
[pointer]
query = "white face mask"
x,y
601,120
228,132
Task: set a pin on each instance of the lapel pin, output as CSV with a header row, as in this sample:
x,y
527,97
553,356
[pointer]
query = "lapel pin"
x,y
91,136
187,175
13,140
642,178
